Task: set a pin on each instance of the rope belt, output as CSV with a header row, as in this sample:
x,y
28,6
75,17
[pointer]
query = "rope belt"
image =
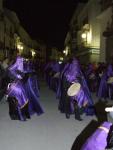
x,y
104,128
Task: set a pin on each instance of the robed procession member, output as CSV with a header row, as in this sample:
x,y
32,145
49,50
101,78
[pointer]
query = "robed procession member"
x,y
54,77
110,80
101,67
82,98
23,92
64,102
106,83
101,138
48,72
90,75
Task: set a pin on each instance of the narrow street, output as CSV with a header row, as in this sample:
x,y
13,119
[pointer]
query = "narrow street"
x,y
50,131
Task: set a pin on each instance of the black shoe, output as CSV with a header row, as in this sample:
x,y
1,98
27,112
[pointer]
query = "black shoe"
x,y
67,116
78,118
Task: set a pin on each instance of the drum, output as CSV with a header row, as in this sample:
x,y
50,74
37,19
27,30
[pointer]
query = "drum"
x,y
57,75
73,89
110,80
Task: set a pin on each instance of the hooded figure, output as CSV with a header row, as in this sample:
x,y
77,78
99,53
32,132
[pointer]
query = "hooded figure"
x,y
98,140
74,74
105,89
24,88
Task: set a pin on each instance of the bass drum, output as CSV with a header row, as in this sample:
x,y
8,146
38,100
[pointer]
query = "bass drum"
x,y
73,89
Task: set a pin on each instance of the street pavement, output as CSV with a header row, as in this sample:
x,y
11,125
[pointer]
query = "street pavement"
x,y
50,131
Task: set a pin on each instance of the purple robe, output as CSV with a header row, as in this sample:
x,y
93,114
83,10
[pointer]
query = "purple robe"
x,y
103,91
89,70
47,70
54,81
98,140
56,67
32,91
103,87
28,89
74,74
58,93
16,89
110,71
18,65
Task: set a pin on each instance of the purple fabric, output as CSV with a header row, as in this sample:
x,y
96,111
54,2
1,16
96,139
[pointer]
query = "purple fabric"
x,y
58,93
56,67
98,140
16,89
18,65
27,66
103,87
89,69
73,71
64,69
48,65
32,91
110,71
25,90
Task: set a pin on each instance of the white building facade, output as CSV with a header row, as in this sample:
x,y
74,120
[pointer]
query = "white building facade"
x,y
87,31
91,30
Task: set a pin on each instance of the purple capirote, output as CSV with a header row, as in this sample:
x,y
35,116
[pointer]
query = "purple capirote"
x,y
98,140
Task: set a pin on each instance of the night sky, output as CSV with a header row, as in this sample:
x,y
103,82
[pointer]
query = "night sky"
x,y
46,20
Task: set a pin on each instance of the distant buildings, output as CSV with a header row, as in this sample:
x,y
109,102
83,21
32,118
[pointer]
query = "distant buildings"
x,y
54,53
13,36
87,38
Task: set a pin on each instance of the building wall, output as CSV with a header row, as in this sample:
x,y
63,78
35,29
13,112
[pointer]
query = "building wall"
x,y
1,25
94,25
1,33
88,22
94,22
25,38
104,18
1,4
9,32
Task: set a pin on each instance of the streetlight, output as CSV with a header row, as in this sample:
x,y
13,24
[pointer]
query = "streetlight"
x,y
33,53
64,51
83,35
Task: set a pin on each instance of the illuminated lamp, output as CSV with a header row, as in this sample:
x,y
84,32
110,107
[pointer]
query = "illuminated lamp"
x,y
33,53
64,51
21,47
83,35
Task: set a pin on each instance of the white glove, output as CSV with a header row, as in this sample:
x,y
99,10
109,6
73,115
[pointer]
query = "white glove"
x,y
109,109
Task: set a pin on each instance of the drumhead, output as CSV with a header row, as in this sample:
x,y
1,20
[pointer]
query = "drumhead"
x,y
110,80
73,89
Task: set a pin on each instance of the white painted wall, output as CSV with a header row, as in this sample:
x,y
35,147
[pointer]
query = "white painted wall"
x,y
89,11
104,18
